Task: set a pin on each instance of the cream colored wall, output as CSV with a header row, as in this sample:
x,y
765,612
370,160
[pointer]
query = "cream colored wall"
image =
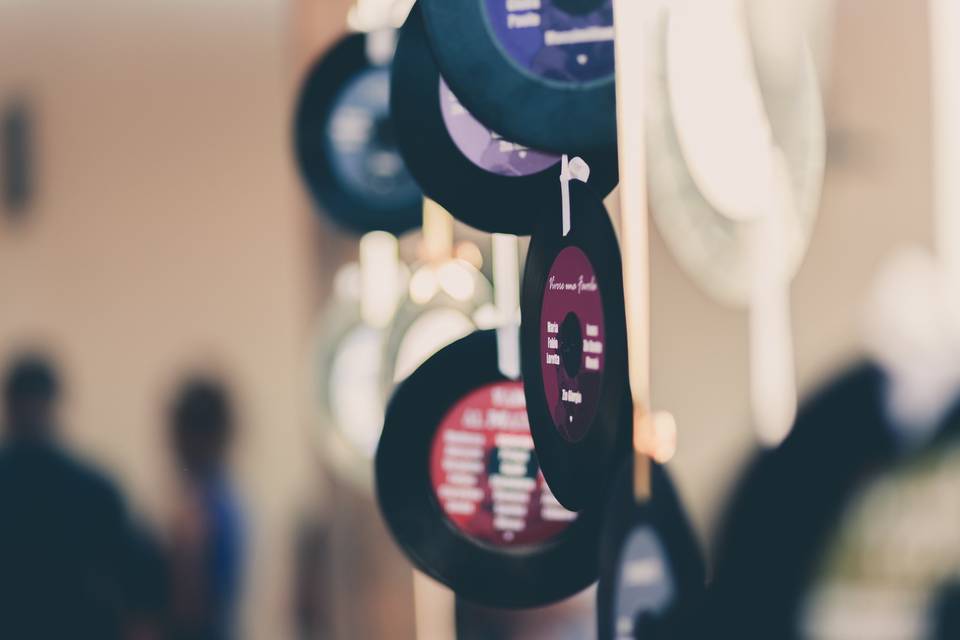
x,y
168,233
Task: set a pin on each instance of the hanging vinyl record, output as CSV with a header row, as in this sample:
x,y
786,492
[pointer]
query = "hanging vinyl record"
x,y
481,178
345,374
706,206
351,405
891,567
445,301
573,348
345,144
460,488
540,73
652,574
788,500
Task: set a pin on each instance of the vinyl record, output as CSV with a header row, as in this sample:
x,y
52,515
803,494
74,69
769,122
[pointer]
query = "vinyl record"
x,y
652,574
789,499
540,73
348,361
891,567
573,349
482,179
444,302
345,383
345,144
786,507
460,489
703,214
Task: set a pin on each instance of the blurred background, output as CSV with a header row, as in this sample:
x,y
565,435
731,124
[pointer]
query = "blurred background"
x,y
166,237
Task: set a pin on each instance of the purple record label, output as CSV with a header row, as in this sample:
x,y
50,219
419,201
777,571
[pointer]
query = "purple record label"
x,y
572,343
485,148
567,41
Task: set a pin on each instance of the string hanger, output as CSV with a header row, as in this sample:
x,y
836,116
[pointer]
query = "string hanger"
x,y
369,16
506,289
379,278
575,169
437,233
379,19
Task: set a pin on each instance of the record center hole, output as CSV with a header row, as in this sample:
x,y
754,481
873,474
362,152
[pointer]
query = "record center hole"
x,y
383,136
571,345
647,626
578,7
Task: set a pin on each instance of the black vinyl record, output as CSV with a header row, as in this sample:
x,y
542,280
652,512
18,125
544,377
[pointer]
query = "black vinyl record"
x,y
573,349
345,145
788,500
892,561
788,504
540,73
482,179
652,572
459,486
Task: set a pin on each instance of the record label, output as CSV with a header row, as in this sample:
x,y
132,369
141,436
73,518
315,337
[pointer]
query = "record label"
x,y
573,349
644,583
572,343
485,474
485,148
652,573
362,147
555,40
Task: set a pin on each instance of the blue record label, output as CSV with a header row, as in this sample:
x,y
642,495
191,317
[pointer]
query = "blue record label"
x,y
361,145
644,582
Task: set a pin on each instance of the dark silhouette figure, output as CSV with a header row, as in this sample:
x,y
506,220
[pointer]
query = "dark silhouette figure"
x,y
207,536
63,526
946,612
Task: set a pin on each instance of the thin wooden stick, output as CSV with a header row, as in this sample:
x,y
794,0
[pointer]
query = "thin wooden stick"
x,y
945,80
437,232
630,26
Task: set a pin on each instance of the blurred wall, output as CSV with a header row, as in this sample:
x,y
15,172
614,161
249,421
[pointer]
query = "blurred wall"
x,y
167,233
170,230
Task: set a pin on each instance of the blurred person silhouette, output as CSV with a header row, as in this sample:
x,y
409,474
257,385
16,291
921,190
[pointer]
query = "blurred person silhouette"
x,y
65,543
207,534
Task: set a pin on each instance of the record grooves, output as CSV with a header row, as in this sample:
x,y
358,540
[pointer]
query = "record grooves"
x,y
345,145
573,349
652,573
459,488
482,179
540,74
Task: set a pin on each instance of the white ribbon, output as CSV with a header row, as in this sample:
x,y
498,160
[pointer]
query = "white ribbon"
x,y
575,169
506,289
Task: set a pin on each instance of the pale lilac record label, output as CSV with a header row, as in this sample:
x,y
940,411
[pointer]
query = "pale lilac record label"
x,y
485,148
572,343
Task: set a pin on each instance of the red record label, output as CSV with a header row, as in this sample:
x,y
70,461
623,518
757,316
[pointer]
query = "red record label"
x,y
572,343
485,473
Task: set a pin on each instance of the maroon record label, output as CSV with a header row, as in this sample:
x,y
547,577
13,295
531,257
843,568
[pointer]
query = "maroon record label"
x,y
572,343
485,474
